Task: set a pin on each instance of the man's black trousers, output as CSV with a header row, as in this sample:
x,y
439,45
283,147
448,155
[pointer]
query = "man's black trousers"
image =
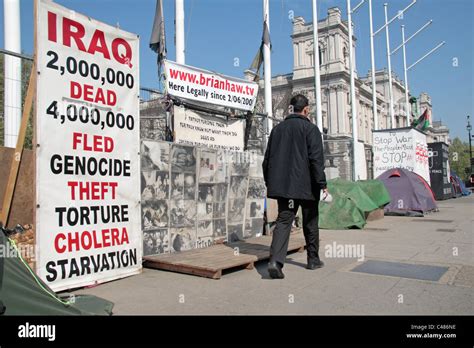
x,y
287,209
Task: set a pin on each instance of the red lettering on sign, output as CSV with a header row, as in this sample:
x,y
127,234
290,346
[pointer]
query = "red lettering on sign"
x,y
98,44
77,34
59,236
87,93
85,240
52,33
75,31
94,190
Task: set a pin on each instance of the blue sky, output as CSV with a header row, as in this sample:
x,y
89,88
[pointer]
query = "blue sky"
x,y
219,31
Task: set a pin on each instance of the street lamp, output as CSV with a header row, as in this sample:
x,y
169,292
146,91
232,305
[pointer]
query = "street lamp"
x,y
469,128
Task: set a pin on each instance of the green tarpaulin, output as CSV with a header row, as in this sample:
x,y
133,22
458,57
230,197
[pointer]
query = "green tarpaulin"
x,y
23,293
351,203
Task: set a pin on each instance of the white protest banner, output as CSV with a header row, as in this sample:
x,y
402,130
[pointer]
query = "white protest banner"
x,y
421,163
402,148
200,85
193,128
88,168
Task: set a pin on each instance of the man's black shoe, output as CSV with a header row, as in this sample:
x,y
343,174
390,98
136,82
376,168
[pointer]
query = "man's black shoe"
x,y
314,264
274,270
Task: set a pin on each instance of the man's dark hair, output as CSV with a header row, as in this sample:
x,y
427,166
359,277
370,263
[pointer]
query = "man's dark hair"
x,y
299,102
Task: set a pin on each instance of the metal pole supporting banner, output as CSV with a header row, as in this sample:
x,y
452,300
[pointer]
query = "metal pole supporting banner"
x,y
267,72
179,31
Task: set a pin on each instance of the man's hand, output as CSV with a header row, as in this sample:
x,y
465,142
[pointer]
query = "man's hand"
x,y
326,197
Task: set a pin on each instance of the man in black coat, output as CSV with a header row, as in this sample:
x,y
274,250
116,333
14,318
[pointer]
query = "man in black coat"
x,y
293,169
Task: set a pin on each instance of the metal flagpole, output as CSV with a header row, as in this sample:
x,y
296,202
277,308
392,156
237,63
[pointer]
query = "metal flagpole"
x,y
353,99
407,106
389,63
403,45
355,126
317,76
385,26
426,55
372,62
179,31
267,72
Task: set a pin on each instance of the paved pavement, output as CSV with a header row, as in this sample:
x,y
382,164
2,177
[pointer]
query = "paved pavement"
x,y
333,289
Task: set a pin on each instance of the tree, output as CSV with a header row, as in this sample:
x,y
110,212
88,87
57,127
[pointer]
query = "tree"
x,y
459,158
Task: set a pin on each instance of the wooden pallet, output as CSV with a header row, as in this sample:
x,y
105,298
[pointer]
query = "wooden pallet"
x,y
210,262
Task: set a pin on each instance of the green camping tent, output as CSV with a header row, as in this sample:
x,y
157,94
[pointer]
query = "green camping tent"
x,y
352,201
23,293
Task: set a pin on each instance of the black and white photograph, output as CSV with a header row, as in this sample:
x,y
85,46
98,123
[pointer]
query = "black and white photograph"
x,y
236,210
219,229
183,158
182,239
177,185
222,167
218,210
189,186
238,187
204,211
207,166
155,155
182,213
156,242
255,208
255,168
240,165
147,185
204,228
235,233
162,185
220,192
253,228
257,188
155,185
206,193
154,214
152,128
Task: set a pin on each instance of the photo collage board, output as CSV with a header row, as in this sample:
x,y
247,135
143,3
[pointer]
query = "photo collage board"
x,y
194,197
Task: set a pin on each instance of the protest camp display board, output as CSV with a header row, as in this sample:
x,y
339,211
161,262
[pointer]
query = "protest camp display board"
x,y
197,128
439,170
194,197
199,85
88,169
401,148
